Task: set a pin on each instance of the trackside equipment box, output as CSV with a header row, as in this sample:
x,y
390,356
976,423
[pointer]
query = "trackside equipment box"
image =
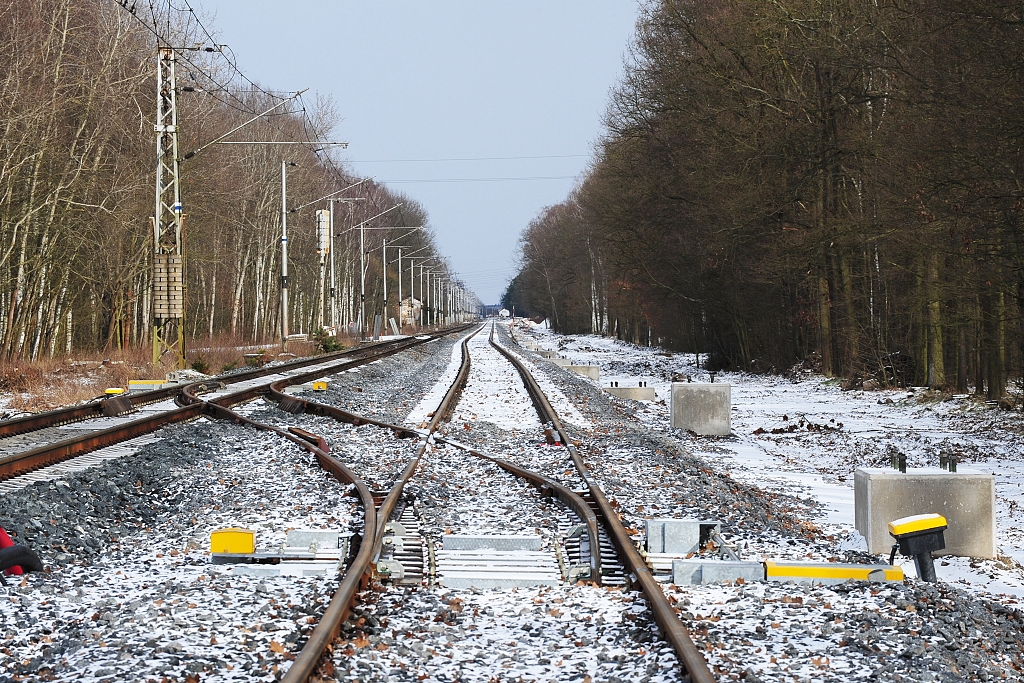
x,y
830,572
233,541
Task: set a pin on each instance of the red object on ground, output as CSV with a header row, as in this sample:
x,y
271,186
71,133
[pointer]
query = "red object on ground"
x,y
6,542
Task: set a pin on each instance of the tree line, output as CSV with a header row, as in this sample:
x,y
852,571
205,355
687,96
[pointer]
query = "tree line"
x,y
77,174
833,182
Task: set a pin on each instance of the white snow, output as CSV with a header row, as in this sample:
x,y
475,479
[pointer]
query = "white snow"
x,y
848,429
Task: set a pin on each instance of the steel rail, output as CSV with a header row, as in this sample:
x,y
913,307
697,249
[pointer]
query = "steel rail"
x,y
294,404
664,614
308,659
27,461
563,493
99,407
357,572
443,409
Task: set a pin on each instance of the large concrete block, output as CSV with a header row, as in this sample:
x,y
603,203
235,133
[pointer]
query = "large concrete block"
x,y
678,536
561,362
547,354
702,408
632,393
590,371
967,499
696,572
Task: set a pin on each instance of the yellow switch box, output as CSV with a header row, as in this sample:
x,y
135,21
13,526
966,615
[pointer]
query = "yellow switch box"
x,y
319,386
114,391
233,541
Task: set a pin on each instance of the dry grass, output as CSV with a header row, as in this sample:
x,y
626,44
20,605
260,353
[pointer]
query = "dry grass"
x,y
56,382
52,383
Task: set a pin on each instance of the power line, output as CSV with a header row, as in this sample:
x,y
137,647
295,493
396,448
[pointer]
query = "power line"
x,y
481,180
409,161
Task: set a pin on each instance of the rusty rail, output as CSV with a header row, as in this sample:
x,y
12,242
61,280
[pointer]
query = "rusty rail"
x,y
308,659
664,614
99,407
26,461
356,573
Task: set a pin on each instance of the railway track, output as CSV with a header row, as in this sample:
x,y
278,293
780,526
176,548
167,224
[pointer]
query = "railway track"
x,y
596,549
612,559
115,420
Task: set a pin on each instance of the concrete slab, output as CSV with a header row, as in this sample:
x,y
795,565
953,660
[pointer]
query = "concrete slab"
x,y
561,362
589,371
829,573
287,569
304,538
678,536
966,498
697,572
704,409
631,393
494,582
461,542
488,568
547,354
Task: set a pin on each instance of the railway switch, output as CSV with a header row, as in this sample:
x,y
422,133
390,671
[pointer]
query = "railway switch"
x,y
919,536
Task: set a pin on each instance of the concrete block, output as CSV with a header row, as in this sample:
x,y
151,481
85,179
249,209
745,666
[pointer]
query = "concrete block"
x,y
696,572
561,362
829,573
459,542
678,536
303,538
548,354
702,408
966,498
631,393
589,371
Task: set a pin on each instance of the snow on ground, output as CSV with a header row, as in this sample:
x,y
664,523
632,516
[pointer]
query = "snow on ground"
x,y
142,601
833,433
494,391
421,413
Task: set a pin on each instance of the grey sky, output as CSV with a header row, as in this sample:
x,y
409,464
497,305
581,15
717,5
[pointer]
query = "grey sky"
x,y
450,80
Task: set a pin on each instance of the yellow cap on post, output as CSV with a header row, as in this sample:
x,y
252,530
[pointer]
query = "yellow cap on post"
x,y
910,525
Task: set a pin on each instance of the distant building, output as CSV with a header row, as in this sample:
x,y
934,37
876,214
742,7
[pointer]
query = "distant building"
x,y
410,312
503,313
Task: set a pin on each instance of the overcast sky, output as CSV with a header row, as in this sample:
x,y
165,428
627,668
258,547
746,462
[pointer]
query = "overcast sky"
x,y
450,84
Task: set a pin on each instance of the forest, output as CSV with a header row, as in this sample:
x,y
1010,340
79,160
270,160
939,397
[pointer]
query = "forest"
x,y
77,173
834,183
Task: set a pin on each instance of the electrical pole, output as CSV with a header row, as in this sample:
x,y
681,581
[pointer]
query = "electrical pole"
x,y
323,220
168,258
330,248
284,255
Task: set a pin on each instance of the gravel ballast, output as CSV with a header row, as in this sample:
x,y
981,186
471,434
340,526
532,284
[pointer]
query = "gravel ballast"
x,y
130,593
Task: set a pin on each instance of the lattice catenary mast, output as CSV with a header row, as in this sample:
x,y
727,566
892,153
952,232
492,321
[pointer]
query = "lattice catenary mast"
x,y
168,258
